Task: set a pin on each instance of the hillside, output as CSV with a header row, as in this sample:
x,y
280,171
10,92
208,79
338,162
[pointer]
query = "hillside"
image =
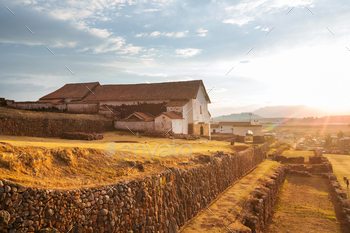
x,y
244,116
298,111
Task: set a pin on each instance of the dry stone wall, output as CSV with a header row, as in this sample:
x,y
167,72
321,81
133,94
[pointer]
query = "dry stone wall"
x,y
261,203
47,127
161,203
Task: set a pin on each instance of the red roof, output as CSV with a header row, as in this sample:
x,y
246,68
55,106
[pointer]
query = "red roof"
x,y
185,90
72,90
142,116
171,115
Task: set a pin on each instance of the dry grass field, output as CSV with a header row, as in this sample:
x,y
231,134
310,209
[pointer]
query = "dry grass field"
x,y
305,206
298,153
61,163
341,168
227,208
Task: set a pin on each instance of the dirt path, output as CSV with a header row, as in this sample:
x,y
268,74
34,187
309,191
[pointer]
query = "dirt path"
x,y
221,215
305,205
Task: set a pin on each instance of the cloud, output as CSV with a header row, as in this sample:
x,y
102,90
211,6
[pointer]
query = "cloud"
x,y
154,34
181,34
246,61
257,27
130,49
141,35
167,34
151,10
188,52
247,11
202,32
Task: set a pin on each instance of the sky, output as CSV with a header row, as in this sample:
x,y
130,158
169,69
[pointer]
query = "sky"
x,y
249,54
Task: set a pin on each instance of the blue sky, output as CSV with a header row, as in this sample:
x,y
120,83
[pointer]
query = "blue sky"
x,y
283,52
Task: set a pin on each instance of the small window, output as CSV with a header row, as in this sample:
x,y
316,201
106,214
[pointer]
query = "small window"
x,y
200,109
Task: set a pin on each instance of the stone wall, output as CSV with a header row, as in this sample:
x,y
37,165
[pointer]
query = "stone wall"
x,y
161,203
83,108
261,203
47,127
341,198
34,105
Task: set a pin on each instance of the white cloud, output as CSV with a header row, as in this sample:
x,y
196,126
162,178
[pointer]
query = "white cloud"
x,y
247,11
151,10
257,27
128,16
168,34
188,52
141,35
147,25
130,49
181,34
202,32
155,33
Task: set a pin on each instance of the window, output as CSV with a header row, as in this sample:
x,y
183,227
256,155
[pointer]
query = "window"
x,y
200,109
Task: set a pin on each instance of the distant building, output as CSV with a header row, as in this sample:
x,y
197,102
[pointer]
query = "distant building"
x,y
238,128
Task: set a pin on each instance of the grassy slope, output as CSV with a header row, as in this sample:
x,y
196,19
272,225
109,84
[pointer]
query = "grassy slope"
x,y
25,161
229,205
304,206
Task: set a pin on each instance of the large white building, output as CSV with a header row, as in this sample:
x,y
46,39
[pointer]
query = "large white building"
x,y
181,107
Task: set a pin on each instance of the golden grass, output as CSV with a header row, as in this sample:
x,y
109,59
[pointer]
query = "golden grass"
x,y
228,207
304,206
298,153
341,168
77,163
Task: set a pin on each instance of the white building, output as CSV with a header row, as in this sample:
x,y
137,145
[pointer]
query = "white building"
x,y
181,107
238,128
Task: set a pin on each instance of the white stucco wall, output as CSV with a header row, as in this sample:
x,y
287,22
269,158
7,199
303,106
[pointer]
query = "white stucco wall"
x,y
163,123
177,124
120,103
201,102
134,125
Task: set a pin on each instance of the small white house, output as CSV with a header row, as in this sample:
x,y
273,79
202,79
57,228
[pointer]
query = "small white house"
x,y
170,121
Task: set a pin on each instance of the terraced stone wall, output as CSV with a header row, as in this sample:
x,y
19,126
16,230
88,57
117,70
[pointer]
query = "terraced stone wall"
x,y
49,127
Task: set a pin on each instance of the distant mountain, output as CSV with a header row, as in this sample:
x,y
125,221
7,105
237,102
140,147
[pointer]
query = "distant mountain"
x,y
244,116
298,111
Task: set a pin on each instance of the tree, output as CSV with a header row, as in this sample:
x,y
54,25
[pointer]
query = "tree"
x,y
328,140
340,134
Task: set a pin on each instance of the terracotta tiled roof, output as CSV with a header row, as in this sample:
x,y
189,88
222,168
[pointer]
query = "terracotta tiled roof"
x,y
72,90
142,115
52,101
154,91
171,115
176,103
